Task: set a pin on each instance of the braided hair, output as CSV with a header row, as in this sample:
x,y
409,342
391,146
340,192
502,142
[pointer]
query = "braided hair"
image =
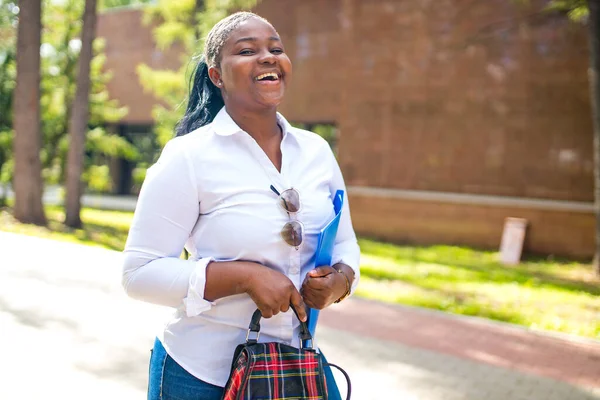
x,y
205,99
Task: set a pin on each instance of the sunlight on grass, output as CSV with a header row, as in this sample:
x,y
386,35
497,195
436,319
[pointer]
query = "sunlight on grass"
x,y
101,228
545,294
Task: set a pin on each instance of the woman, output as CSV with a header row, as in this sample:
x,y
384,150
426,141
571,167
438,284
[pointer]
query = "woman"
x,y
246,194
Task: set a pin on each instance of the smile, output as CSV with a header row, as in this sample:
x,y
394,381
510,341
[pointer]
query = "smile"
x,y
269,76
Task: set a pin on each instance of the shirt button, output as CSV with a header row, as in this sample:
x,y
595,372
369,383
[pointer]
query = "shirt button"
x,y
294,270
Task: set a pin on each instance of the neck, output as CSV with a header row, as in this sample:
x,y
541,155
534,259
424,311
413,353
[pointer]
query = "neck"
x,y
262,125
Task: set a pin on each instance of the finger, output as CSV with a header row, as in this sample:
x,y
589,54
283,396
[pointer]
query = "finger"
x,y
307,293
266,313
285,307
303,290
298,304
313,299
322,283
313,302
321,271
309,303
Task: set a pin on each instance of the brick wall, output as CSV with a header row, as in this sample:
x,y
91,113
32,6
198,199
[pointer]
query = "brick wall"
x,y
483,97
550,231
447,95
129,43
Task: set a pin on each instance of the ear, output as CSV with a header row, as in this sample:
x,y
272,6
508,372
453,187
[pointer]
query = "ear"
x,y
215,76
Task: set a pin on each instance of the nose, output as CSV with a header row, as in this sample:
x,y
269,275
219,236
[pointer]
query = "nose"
x,y
266,57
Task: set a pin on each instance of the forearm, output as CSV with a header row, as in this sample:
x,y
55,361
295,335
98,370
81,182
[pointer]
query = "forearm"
x,y
170,281
270,290
228,278
163,281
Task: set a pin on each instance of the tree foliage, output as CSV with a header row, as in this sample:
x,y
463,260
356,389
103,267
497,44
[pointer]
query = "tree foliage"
x,y
8,23
576,9
60,51
183,23
60,48
107,4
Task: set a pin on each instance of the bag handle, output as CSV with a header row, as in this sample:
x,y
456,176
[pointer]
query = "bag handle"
x,y
305,336
345,376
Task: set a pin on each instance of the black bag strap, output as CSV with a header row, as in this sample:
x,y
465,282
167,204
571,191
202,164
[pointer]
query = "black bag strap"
x,y
345,376
255,327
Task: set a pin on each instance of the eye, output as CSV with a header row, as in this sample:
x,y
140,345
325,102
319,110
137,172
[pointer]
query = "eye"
x,y
246,52
277,50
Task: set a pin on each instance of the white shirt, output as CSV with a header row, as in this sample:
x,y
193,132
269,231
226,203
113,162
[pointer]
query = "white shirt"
x,y
210,191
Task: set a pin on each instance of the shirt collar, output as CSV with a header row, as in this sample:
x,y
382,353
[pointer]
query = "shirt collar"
x,y
224,125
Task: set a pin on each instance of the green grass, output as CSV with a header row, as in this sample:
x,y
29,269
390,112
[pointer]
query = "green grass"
x,y
541,294
545,294
101,228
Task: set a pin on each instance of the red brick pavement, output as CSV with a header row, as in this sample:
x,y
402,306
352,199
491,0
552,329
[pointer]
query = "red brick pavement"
x,y
563,358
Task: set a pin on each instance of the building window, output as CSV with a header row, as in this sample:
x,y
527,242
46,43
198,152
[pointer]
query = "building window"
x,y
327,131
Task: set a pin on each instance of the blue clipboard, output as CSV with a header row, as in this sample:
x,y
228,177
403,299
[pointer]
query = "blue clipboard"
x,y
324,252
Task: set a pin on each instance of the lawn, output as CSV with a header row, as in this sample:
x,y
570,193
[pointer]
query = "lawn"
x,y
547,294
102,228
541,294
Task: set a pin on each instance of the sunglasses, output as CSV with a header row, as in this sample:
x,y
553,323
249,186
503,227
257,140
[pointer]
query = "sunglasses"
x,y
293,231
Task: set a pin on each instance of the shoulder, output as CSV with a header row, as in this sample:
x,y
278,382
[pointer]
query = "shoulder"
x,y
183,145
306,139
195,137
177,152
309,141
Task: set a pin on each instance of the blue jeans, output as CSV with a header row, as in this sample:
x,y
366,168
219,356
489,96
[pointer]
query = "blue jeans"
x,y
169,381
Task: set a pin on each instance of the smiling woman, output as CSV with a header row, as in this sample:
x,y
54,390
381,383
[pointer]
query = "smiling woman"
x,y
230,55
246,194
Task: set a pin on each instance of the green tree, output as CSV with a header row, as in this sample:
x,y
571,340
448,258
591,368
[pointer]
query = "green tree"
x,y
27,180
61,48
184,22
106,4
79,118
8,21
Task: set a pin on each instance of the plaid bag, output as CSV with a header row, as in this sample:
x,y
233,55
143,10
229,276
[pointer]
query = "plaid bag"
x,y
276,371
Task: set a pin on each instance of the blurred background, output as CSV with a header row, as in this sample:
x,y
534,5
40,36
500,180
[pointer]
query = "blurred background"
x,y
448,117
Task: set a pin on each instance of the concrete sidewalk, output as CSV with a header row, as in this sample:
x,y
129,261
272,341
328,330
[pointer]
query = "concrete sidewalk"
x,y
53,195
69,332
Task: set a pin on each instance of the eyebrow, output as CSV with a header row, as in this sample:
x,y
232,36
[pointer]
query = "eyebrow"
x,y
254,39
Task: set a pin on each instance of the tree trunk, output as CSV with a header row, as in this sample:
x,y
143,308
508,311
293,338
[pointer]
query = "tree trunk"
x,y
27,182
594,76
79,119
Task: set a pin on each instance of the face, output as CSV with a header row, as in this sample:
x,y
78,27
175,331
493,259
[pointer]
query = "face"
x,y
254,69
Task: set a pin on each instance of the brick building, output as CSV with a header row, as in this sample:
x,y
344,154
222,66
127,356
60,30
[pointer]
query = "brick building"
x,y
452,114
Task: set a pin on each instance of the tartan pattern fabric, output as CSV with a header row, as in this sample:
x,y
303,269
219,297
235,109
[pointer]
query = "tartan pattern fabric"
x,y
275,371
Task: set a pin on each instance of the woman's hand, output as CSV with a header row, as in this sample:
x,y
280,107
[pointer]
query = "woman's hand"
x,y
323,286
273,292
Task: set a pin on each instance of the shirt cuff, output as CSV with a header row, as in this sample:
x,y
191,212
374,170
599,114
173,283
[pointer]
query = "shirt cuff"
x,y
195,303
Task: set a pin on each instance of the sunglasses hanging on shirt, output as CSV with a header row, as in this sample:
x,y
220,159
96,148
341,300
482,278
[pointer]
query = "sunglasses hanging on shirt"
x,y
293,231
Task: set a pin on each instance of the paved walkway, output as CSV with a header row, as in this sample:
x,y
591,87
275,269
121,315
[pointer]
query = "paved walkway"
x,y
69,332
53,195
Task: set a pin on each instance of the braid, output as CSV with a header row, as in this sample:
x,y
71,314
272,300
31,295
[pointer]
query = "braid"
x,y
205,99
219,34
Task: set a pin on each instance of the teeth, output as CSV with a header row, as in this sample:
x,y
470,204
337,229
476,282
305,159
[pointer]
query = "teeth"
x,y
272,74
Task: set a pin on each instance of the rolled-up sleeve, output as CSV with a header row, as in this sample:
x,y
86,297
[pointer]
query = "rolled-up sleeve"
x,y
346,249
166,212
